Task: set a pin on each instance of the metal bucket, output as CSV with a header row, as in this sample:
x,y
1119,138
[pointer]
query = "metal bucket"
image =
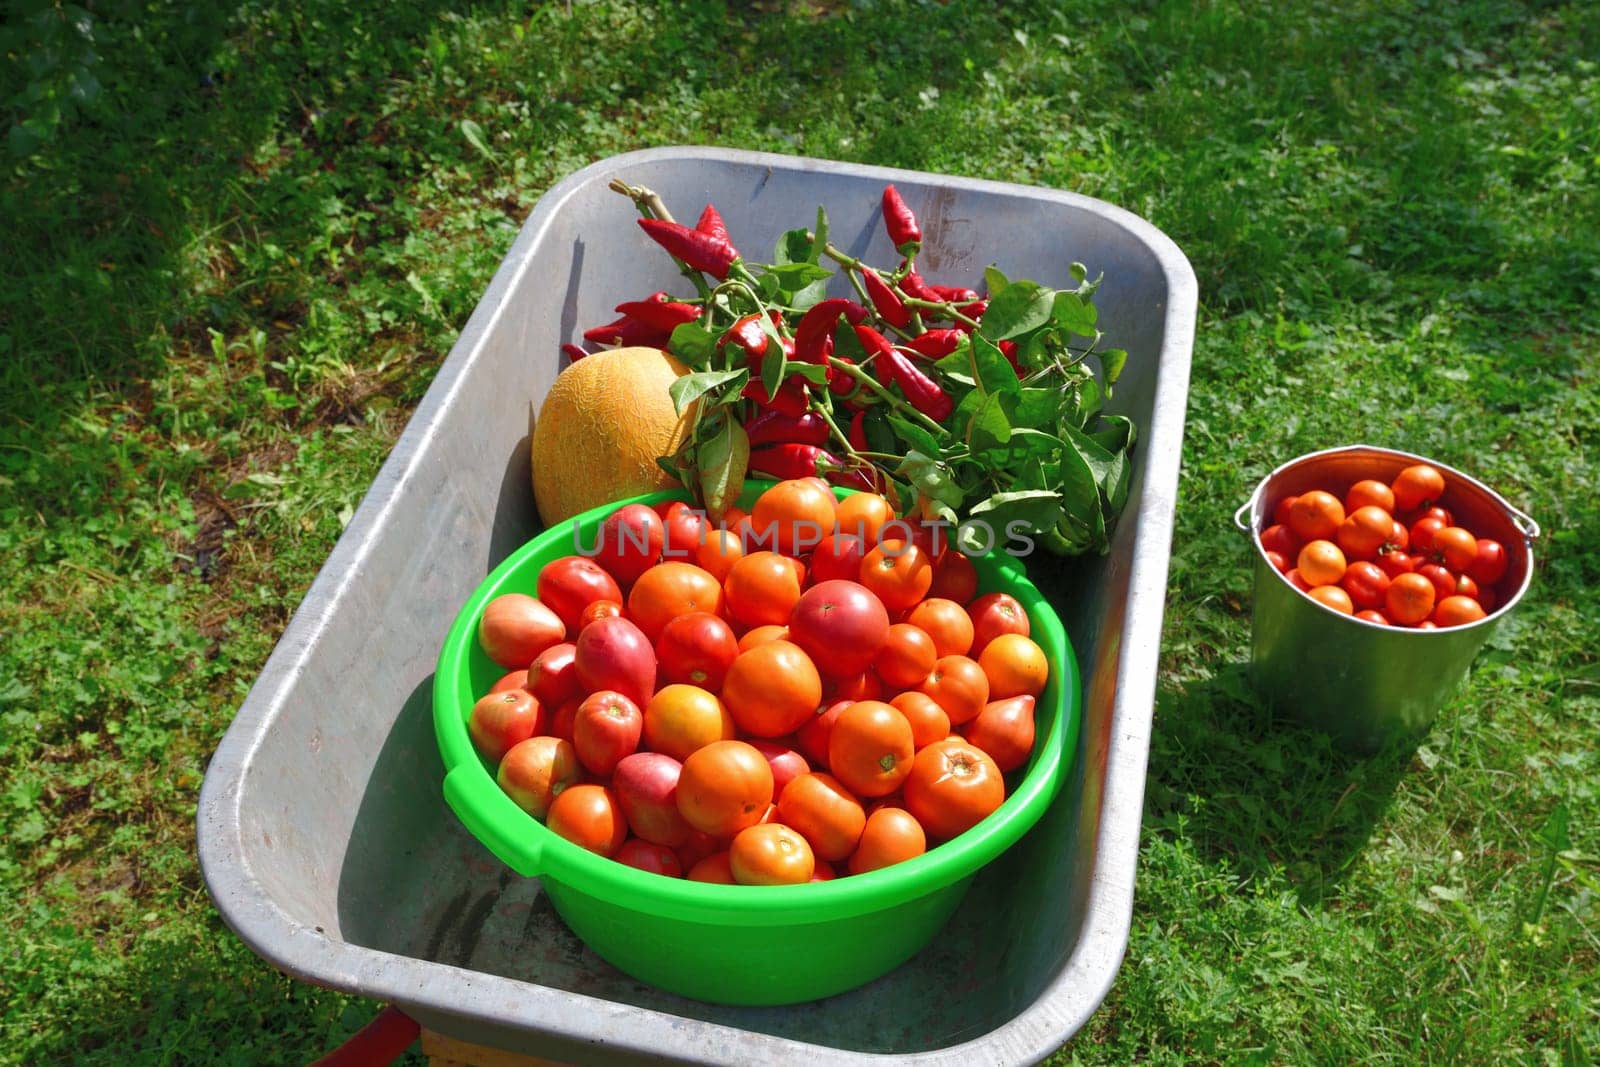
x,y
1367,684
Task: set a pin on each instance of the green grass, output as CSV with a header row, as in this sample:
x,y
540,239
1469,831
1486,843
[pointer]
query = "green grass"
x,y
229,279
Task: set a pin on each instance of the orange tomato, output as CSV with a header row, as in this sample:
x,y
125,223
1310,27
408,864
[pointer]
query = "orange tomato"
x,y
1409,599
825,814
863,515
590,817
773,689
683,718
891,835
762,589
668,590
864,686
1369,493
793,516
870,748
898,572
959,686
716,868
946,621
1315,516
1015,666
761,635
1458,611
1333,596
1321,563
1418,486
770,854
954,577
717,552
953,785
928,720
907,655
1456,546
1371,615
723,788
1364,531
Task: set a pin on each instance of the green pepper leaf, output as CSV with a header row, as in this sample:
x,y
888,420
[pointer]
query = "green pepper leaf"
x,y
723,459
995,280
820,242
1021,306
916,437
794,276
1112,360
793,247
693,344
1098,459
989,428
1116,484
690,387
1039,508
815,373
1036,408
932,478
1074,314
994,370
1083,522
1114,433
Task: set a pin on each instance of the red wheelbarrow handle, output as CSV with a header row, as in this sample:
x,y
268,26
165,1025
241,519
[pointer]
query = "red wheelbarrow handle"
x,y
377,1044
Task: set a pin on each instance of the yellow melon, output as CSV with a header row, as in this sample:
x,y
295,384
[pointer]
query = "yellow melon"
x,y
602,425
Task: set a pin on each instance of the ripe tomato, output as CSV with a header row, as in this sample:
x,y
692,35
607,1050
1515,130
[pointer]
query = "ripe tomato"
x,y
870,748
953,786
629,542
1456,547
906,657
1399,537
697,648
572,583
864,686
1333,596
947,622
534,772
824,872
761,635
1366,583
1465,586
513,680
891,836
1396,562
1489,563
994,614
515,628
646,784
698,847
1364,531
813,736
772,690
898,572
1321,563
1457,611
501,720
793,516
841,625
1423,532
1278,563
607,728
715,869
786,764
1280,510
1292,576
681,719
1434,512
954,577
770,854
1004,729
928,720
589,817
1369,493
1426,624
1489,600
959,686
1374,616
724,788
1417,486
762,589
656,859
562,722
1280,539
597,610
837,558
1409,599
1315,516
1444,583
615,654
717,552
668,590
686,527
862,515
825,814
1014,666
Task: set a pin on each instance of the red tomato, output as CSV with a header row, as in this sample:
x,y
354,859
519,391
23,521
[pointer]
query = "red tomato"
x,y
668,590
864,686
513,680
1315,516
1366,583
570,584
1417,486
812,737
1465,586
786,764
953,785
607,728
1399,537
1444,583
646,784
715,868
515,628
1374,616
929,722
1396,563
615,654
907,656
502,720
1294,578
553,677
1004,729
1409,599
1280,511
588,816
1369,493
794,515
629,542
1455,547
697,648
1489,563
959,686
837,557
954,578
656,859
1457,611
841,625
718,553
1434,513
994,614
891,835
1364,531
1333,596
1015,666
1278,563
534,772
597,610
863,515
686,527
1280,539
947,622
825,814
1422,534
761,635
762,589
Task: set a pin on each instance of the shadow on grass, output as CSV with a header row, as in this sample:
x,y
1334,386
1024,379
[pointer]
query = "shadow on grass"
x,y
1260,794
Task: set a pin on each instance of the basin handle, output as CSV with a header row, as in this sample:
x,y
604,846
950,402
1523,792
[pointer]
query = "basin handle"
x,y
1524,522
1239,517
491,816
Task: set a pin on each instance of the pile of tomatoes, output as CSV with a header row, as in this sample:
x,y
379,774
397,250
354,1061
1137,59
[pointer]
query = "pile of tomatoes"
x,y
809,690
1387,553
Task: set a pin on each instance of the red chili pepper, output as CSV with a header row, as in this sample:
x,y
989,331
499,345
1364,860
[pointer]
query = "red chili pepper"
x,y
972,311
791,399
701,251
771,427
900,222
839,383
885,300
791,461
813,338
748,335
627,331
856,478
574,353
660,310
935,344
858,431
711,222
913,285
922,392
1009,350
874,342
955,294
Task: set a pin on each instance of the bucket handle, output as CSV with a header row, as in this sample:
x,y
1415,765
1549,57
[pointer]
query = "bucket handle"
x,y
1243,523
1524,522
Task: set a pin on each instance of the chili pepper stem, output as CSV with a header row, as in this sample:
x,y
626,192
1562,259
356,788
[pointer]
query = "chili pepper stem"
x,y
838,434
887,397
946,310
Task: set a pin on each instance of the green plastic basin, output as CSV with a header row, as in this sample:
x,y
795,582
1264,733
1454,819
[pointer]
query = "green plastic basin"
x,y
755,945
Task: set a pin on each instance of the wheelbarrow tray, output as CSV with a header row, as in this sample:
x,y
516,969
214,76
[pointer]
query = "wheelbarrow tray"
x,y
323,833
